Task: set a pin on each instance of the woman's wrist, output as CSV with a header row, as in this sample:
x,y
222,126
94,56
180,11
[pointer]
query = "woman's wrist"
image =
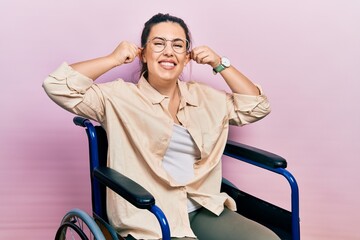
x,y
216,62
112,60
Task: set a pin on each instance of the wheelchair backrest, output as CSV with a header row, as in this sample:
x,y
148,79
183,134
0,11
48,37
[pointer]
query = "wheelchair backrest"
x,y
98,158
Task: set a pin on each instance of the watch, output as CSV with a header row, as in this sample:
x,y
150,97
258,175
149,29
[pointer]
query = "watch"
x,y
224,63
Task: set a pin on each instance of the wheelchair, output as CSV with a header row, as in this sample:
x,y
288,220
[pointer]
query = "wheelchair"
x,y
77,224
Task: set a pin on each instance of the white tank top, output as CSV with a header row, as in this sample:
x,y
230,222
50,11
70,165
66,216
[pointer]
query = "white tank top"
x,y
180,157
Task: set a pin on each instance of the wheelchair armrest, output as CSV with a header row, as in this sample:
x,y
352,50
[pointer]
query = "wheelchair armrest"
x,y
254,155
125,187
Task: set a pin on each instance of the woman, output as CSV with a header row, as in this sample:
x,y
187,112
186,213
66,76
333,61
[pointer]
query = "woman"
x,y
166,134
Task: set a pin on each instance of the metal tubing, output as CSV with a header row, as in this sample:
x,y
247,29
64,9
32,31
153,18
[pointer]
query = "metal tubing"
x,y
165,229
94,153
295,211
295,220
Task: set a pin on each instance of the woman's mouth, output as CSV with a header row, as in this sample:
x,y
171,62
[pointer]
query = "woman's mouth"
x,y
167,64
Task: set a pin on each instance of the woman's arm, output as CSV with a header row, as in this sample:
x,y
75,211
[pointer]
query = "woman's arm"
x,y
237,81
72,86
125,52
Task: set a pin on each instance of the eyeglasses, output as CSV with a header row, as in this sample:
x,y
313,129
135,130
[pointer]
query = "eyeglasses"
x,y
179,45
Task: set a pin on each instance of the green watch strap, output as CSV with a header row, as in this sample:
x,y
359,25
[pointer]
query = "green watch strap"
x,y
219,68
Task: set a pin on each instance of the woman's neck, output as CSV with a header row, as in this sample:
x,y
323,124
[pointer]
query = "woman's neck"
x,y
167,88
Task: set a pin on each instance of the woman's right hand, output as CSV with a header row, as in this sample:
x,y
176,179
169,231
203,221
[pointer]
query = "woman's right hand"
x,y
125,52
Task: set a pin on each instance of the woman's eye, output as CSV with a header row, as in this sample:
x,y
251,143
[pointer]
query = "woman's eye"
x,y
178,45
159,43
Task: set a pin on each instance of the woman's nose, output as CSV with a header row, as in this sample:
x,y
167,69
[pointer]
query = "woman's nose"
x,y
168,49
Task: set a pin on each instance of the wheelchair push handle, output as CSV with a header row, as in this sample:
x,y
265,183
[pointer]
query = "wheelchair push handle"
x,y
80,121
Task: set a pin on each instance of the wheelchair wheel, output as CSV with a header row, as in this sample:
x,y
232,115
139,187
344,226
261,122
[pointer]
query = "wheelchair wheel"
x,y
69,230
77,224
108,231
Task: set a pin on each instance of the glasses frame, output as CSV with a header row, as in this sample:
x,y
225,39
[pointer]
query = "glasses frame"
x,y
187,49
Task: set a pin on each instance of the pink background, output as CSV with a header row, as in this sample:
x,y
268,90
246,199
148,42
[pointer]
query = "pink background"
x,y
305,54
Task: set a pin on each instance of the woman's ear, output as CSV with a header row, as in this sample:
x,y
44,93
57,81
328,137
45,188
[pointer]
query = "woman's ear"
x,y
188,58
142,56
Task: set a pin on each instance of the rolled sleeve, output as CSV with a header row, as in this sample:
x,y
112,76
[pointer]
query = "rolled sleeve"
x,y
66,75
245,109
72,91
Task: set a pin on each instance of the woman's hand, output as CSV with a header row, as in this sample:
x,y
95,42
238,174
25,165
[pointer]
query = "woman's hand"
x,y
205,55
237,82
125,52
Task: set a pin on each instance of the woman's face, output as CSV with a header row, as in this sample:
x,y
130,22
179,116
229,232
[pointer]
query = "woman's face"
x,y
166,65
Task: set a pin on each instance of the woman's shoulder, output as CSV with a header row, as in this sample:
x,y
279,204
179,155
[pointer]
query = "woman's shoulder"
x,y
119,82
117,86
195,86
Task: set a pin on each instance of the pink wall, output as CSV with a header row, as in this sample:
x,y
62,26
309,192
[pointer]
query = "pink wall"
x,y
305,54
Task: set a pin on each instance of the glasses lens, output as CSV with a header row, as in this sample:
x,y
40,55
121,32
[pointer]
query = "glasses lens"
x,y
158,44
179,45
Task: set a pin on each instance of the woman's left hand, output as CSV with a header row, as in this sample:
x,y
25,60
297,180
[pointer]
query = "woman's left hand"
x,y
205,55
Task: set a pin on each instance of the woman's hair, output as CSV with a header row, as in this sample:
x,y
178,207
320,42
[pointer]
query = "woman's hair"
x,y
159,18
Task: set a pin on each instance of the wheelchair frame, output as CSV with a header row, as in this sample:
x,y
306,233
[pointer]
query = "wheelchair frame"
x,y
287,224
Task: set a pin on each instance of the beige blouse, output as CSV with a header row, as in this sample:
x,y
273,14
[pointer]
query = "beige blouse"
x,y
139,128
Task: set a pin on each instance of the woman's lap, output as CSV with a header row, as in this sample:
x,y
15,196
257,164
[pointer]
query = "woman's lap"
x,y
229,225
